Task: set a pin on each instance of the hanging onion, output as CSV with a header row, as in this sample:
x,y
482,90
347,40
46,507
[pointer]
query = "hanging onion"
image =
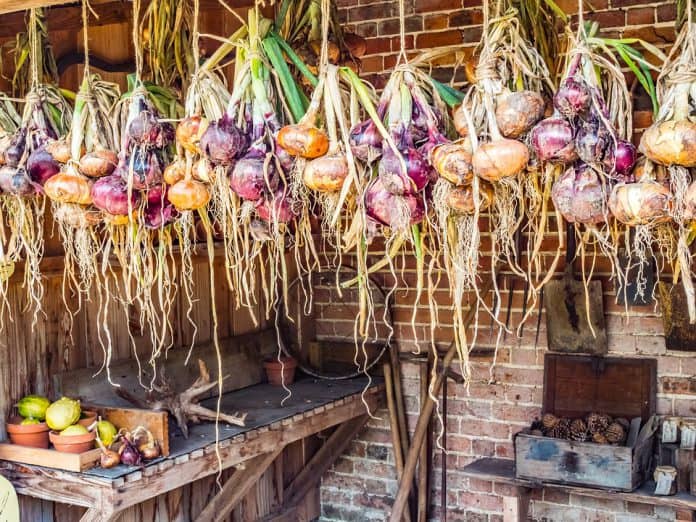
x,y
306,141
643,203
579,195
572,98
517,112
276,208
188,194
396,211
453,162
98,164
461,199
327,173
552,141
499,159
110,194
69,186
671,143
41,166
189,132
222,142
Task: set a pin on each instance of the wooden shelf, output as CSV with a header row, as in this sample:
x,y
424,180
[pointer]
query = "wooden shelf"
x,y
315,406
502,471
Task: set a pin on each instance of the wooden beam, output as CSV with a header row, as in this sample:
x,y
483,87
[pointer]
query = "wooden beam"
x,y
237,486
10,6
322,460
515,508
98,515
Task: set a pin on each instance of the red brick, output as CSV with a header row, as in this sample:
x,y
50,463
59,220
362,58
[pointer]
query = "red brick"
x,y
481,486
412,24
436,22
643,15
480,501
608,18
466,17
666,12
426,6
505,450
555,496
640,509
374,11
438,39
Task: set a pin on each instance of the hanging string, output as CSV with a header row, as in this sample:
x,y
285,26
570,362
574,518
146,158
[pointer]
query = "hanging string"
x,y
85,34
581,20
35,48
689,12
402,33
325,17
136,41
195,38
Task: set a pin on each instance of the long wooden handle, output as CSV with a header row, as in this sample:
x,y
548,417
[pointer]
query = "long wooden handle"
x,y
424,421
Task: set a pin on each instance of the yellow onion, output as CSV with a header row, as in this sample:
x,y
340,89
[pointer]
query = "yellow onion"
x,y
500,159
202,171
327,173
452,161
116,219
334,53
188,194
59,150
174,172
517,112
640,203
461,199
671,143
303,140
460,121
99,163
69,186
356,44
77,216
189,132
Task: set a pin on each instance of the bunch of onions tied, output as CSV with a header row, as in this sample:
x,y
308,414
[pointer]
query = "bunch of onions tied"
x,y
27,165
671,141
91,156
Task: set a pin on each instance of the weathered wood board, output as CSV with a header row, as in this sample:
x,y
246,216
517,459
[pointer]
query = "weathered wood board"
x,y
56,459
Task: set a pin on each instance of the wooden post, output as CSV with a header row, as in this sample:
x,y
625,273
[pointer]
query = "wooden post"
x,y
424,421
515,508
423,460
394,425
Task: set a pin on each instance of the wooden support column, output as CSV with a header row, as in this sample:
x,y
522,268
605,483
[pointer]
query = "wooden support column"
x,y
237,486
515,507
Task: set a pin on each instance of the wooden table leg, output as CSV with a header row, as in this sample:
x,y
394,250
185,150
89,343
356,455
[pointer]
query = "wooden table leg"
x,y
515,507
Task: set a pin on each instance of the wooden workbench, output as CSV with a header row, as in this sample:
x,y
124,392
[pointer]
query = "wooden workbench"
x,y
502,471
313,407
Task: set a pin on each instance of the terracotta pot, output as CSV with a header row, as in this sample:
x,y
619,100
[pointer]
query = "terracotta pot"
x,y
87,417
73,443
32,435
278,373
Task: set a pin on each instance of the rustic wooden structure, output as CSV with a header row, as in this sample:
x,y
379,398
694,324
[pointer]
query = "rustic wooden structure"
x,y
516,503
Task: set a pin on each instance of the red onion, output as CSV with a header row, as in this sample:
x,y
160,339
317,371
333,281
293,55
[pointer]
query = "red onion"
x,y
572,98
146,169
247,178
223,141
41,166
130,456
284,158
110,194
276,209
590,141
146,130
365,141
383,206
15,151
418,171
552,140
621,159
15,180
579,195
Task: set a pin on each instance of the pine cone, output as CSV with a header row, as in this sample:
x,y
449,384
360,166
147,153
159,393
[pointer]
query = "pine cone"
x,y
561,430
578,430
549,420
615,433
598,422
599,438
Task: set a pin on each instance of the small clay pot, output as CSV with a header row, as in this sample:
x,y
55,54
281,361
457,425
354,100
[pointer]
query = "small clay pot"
x,y
32,435
73,443
87,417
278,373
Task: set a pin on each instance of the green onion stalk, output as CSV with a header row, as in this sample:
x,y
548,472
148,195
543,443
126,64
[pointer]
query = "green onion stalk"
x,y
28,163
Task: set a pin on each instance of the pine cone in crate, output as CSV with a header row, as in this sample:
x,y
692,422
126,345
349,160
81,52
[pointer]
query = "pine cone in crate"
x,y
598,422
561,430
549,420
578,430
615,433
599,438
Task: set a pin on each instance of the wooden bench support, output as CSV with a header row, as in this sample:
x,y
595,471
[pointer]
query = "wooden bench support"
x,y
516,508
99,515
237,486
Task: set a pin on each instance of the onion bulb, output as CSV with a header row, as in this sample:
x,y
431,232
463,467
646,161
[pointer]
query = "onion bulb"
x,y
41,166
356,44
392,210
500,159
671,143
452,161
690,203
99,163
306,141
69,186
222,142
620,160
461,199
579,195
326,173
517,112
202,171
552,141
572,98
461,123
189,132
175,171
76,216
251,177
275,209
188,194
641,203
110,194
59,150
365,141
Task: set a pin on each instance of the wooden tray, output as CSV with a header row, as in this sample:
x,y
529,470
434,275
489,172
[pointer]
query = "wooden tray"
x,y
128,418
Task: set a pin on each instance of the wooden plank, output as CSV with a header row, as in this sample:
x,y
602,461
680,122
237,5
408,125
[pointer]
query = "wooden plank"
x,y
242,356
9,6
237,487
502,471
515,508
49,457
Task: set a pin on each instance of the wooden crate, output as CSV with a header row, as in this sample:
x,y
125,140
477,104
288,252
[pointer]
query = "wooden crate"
x,y
127,418
577,385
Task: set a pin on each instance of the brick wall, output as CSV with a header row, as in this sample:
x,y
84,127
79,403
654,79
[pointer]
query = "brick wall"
x,y
502,397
